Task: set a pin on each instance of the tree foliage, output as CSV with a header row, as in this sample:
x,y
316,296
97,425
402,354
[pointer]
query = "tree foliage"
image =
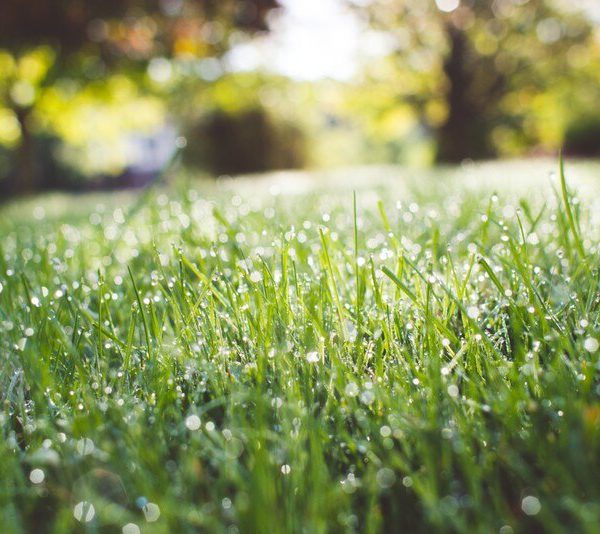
x,y
68,44
136,28
488,64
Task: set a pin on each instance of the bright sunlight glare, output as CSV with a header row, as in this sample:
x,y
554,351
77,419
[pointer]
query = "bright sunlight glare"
x,y
447,5
311,40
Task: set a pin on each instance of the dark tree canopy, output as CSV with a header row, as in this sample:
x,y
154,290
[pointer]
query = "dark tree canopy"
x,y
145,24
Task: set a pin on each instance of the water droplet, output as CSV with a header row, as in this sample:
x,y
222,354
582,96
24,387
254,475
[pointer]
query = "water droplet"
x,y
193,422
591,344
151,512
286,469
37,476
351,389
85,446
312,357
367,397
385,477
531,505
473,312
385,431
131,528
84,511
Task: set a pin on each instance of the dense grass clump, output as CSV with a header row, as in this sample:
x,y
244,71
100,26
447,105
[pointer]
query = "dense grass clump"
x,y
238,359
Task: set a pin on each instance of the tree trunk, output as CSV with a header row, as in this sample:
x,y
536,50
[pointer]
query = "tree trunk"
x,y
465,134
24,176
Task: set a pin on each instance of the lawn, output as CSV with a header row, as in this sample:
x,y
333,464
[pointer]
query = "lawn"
x,y
375,350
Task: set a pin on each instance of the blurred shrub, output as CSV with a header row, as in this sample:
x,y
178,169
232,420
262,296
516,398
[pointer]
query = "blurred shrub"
x,y
49,169
582,137
242,142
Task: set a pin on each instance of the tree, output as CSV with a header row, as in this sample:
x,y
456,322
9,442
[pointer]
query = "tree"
x,y
484,61
47,41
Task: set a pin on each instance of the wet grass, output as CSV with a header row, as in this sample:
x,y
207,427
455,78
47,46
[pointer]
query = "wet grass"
x,y
236,358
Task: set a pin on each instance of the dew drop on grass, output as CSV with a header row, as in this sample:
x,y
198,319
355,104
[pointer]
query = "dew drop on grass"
x,y
351,389
85,446
192,422
312,357
531,505
84,511
385,431
286,469
473,312
37,476
131,528
151,512
385,478
367,397
591,344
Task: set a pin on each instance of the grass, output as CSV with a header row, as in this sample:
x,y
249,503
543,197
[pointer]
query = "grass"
x,y
419,356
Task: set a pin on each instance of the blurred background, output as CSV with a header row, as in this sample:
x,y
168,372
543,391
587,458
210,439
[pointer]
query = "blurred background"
x,y
101,94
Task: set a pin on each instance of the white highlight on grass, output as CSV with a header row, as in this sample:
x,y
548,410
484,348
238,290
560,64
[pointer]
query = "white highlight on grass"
x,y
37,476
312,357
84,511
473,312
85,446
192,422
151,512
351,389
531,505
385,477
131,528
591,344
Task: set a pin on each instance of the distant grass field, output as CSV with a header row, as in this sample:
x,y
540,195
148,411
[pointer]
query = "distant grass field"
x,y
417,353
